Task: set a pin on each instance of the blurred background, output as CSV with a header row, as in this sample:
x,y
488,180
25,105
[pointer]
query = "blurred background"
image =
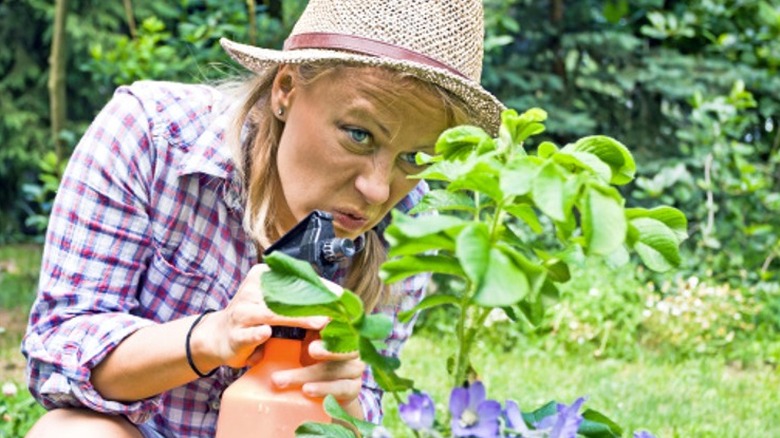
x,y
691,87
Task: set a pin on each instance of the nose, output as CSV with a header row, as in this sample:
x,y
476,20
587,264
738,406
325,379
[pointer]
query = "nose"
x,y
373,182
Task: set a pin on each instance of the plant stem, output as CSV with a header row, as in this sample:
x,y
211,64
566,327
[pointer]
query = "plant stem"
x,y
466,338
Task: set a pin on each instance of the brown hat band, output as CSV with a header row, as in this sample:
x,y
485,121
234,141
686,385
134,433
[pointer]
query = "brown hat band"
x,y
352,43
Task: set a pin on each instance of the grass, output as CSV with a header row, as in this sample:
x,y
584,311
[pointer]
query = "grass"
x,y
694,398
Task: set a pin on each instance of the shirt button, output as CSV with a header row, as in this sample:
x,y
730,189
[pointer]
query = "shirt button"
x,y
214,405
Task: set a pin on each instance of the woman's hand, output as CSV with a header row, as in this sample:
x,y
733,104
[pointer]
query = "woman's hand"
x,y
337,374
231,336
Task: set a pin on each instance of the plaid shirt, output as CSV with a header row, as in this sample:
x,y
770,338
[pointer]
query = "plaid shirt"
x,y
146,228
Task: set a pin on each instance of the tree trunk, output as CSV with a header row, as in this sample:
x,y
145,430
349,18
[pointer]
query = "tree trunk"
x,y
57,60
130,18
251,10
556,19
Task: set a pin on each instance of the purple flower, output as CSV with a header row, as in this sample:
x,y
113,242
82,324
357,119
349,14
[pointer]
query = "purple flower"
x,y
514,420
418,413
472,415
565,422
643,434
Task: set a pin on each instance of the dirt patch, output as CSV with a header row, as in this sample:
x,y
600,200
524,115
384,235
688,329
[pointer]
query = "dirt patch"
x,y
13,323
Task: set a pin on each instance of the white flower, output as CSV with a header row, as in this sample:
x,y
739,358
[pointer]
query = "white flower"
x,y
9,389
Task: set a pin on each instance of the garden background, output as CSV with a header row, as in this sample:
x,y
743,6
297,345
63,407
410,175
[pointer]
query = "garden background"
x,y
691,87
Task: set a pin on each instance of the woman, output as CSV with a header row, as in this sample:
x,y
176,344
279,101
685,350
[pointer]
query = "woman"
x,y
175,190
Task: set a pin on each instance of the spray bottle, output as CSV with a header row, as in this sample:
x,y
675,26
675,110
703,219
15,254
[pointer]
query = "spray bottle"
x,y
252,406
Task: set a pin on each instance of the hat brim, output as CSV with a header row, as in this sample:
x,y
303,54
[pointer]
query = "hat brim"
x,y
485,107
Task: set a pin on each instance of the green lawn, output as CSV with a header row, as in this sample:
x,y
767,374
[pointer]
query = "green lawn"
x,y
695,398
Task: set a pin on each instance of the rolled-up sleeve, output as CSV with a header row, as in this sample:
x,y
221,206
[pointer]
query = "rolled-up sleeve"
x,y
97,244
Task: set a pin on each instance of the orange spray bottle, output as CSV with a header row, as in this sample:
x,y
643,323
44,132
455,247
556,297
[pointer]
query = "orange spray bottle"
x,y
253,406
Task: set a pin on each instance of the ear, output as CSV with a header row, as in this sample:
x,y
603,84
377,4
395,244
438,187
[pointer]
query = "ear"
x,y
283,91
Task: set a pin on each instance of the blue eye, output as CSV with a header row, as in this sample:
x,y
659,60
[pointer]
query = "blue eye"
x,y
409,158
358,135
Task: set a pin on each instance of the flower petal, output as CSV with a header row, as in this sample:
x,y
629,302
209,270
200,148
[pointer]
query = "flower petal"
x,y
569,420
514,417
476,394
489,410
459,401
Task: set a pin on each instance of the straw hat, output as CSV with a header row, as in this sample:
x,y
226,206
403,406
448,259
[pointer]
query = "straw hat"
x,y
439,41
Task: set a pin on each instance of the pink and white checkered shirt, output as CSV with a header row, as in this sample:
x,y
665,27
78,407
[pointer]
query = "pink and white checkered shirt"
x,y
146,228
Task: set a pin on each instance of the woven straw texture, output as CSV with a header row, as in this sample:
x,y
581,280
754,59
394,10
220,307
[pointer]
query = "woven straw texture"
x,y
448,31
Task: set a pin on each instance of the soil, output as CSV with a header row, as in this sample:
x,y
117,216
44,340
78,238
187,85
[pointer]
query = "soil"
x,y
13,323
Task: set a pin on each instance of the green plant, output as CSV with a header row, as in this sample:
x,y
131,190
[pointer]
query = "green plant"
x,y
41,195
18,411
503,194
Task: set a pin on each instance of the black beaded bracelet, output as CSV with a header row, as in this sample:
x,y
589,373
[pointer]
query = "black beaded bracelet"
x,y
187,347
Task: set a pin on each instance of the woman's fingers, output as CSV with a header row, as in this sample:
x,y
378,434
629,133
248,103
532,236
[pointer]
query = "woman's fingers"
x,y
322,372
343,390
317,351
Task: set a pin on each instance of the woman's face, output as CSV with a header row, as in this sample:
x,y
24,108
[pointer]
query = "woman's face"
x,y
349,144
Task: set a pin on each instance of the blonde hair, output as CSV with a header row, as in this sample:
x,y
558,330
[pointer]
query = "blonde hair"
x,y
255,140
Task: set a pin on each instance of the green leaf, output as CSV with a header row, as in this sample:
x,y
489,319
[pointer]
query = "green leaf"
x,y
424,225
482,178
323,430
557,268
520,127
459,142
352,305
473,250
546,149
427,303
375,326
334,409
403,245
585,161
525,213
671,217
656,243
597,425
406,266
548,191
340,337
610,151
603,222
444,171
293,282
383,368
331,310
444,200
549,408
504,282
517,180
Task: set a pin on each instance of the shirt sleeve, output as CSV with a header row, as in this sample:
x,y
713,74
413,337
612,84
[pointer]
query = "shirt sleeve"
x,y
406,295
97,245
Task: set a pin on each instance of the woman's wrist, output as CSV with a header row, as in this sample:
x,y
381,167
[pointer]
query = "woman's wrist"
x,y
199,344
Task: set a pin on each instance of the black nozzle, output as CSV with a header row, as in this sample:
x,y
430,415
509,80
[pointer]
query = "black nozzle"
x,y
281,332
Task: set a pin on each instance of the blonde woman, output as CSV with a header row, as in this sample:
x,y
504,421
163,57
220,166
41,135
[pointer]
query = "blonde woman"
x,y
150,304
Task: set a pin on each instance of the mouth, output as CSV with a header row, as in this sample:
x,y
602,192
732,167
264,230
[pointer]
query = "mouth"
x,y
350,220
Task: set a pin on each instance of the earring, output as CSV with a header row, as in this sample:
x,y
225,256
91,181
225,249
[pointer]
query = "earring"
x,y
280,111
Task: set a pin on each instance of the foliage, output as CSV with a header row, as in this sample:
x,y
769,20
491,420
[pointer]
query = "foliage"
x,y
693,317
501,193
18,411
42,195
600,312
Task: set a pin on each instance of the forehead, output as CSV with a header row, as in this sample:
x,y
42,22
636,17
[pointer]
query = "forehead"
x,y
383,89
